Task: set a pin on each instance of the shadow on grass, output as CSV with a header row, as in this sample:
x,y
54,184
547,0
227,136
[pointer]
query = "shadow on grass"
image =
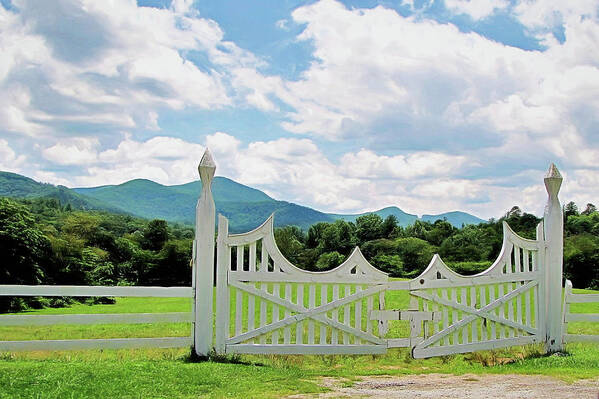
x,y
218,358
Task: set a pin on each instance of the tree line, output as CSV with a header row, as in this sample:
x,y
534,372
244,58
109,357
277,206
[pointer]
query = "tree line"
x,y
43,242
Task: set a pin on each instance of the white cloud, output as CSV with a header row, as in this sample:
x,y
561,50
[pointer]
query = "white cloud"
x,y
9,160
537,14
367,164
432,86
45,176
282,24
166,160
476,9
112,63
74,151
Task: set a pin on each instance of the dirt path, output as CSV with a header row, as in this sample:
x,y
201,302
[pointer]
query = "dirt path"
x,y
438,386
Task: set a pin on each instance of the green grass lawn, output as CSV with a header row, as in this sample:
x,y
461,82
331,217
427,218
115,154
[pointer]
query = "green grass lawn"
x,y
158,373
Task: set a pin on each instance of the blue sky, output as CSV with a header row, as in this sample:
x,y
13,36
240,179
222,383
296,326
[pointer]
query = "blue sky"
x,y
431,106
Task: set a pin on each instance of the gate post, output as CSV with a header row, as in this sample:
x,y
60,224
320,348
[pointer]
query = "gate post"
x,y
223,255
204,260
554,238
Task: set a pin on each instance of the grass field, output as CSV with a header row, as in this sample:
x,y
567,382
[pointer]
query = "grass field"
x,y
167,373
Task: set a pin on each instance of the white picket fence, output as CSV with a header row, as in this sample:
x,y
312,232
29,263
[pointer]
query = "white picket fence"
x,y
120,318
266,305
201,291
568,316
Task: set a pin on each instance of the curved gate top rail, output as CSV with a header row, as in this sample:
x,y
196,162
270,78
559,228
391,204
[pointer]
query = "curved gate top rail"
x,y
265,304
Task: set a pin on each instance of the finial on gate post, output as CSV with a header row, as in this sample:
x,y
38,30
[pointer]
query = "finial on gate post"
x,y
206,168
554,238
204,259
553,181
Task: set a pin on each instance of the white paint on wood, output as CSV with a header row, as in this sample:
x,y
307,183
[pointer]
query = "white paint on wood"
x,y
239,256
275,313
205,218
346,314
251,311
568,338
323,301
483,322
114,343
223,259
299,328
335,315
305,313
287,331
263,304
311,305
86,290
308,349
120,318
554,236
487,312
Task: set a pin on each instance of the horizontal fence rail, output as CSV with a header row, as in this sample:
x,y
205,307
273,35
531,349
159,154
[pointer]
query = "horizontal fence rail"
x,y
111,343
89,319
88,291
118,318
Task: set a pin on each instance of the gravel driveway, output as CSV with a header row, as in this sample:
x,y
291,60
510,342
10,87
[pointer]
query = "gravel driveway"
x,y
437,386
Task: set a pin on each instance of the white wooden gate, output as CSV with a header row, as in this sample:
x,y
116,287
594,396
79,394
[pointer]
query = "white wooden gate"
x,y
496,308
267,305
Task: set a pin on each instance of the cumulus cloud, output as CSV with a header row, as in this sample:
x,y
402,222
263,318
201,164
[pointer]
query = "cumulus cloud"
x,y
476,9
75,151
409,83
543,14
9,160
111,64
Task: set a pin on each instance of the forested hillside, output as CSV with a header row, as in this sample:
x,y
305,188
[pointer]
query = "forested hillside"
x,y
45,242
245,207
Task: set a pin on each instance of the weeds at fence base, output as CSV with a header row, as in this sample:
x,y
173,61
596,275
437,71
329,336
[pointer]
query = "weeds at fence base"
x,y
500,357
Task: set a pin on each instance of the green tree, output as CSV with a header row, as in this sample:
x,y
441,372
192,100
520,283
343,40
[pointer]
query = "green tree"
x,y
391,264
290,240
469,244
315,234
581,260
329,260
418,229
415,254
590,209
439,231
155,235
389,227
369,227
339,236
570,209
24,250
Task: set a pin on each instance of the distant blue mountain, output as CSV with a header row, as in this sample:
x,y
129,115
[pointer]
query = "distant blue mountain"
x,y
456,218
403,218
245,207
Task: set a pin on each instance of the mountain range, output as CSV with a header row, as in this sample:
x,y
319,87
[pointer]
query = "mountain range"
x,y
245,207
